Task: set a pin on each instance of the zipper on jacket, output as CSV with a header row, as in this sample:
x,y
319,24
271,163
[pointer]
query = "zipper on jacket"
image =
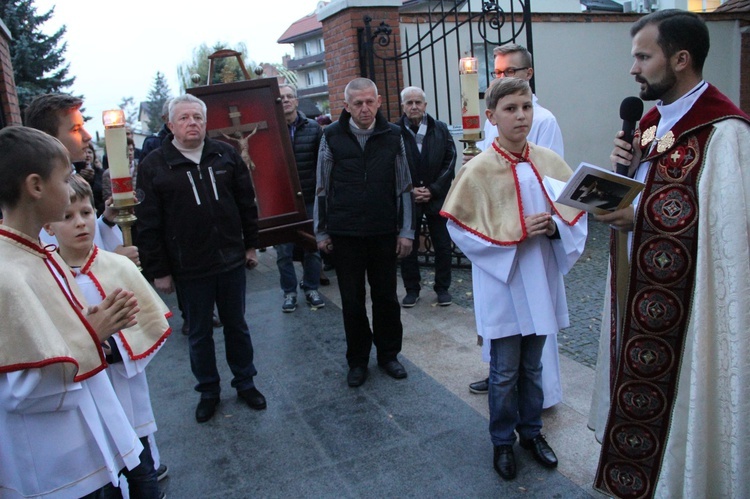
x,y
195,191
213,182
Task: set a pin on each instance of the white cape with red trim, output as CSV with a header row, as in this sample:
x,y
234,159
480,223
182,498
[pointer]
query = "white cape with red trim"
x,y
38,324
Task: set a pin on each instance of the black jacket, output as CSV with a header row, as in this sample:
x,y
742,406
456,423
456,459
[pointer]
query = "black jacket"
x,y
305,143
154,141
434,167
362,200
195,220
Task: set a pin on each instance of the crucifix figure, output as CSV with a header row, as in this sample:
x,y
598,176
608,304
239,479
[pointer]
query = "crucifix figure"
x,y
236,133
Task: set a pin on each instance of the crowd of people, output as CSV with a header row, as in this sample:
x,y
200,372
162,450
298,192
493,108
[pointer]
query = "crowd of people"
x,y
83,316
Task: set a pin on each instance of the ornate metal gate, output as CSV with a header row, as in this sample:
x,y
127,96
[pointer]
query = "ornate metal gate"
x,y
430,31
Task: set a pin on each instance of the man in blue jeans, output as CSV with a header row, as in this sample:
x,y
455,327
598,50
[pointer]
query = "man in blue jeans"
x,y
305,134
197,232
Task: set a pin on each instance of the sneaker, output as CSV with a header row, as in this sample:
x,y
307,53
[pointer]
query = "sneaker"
x,y
444,298
314,300
161,472
290,303
411,299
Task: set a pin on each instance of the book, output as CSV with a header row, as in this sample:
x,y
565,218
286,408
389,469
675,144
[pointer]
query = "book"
x,y
594,189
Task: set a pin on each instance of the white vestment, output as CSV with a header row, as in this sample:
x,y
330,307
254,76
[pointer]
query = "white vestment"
x,y
544,132
707,448
519,289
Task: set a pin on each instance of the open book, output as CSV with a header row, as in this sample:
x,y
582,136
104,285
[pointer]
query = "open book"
x,y
594,189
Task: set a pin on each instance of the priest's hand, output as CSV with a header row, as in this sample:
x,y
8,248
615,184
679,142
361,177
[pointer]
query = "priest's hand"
x,y
626,154
403,247
622,220
116,312
164,284
539,224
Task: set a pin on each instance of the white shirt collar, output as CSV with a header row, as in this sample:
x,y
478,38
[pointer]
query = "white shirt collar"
x,y
672,113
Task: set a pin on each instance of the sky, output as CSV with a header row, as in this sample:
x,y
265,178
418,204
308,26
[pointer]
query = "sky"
x,y
115,52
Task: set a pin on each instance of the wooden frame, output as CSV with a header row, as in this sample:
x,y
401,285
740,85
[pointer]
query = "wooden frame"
x,y
249,116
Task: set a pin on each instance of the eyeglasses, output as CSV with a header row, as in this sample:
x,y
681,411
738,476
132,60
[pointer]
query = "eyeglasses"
x,y
508,72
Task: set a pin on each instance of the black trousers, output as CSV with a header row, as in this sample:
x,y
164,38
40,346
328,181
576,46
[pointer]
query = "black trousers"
x,y
441,243
373,257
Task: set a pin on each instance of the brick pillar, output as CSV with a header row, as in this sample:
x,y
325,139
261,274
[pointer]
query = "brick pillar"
x,y
745,69
340,20
8,96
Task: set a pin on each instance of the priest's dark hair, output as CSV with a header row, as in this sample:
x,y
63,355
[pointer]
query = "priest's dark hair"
x,y
678,30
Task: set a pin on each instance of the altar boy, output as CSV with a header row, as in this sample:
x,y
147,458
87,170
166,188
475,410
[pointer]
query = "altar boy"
x,y
520,245
64,433
127,354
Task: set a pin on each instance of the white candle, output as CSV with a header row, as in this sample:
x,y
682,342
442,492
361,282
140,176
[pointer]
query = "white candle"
x,y
469,79
117,155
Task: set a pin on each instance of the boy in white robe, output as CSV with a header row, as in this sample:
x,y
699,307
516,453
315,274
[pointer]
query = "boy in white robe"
x,y
127,355
64,433
520,245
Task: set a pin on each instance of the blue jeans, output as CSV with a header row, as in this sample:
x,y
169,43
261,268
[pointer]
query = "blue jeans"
x,y
311,265
515,393
227,291
142,482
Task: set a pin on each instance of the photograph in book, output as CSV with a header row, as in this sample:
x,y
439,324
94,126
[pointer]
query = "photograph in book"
x,y
594,189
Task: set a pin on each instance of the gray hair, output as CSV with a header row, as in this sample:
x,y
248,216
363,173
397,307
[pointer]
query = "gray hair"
x,y
188,99
359,84
502,87
409,90
513,48
290,87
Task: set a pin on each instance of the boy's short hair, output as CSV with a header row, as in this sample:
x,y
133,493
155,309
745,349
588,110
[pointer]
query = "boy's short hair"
x,y
45,112
26,151
80,189
502,87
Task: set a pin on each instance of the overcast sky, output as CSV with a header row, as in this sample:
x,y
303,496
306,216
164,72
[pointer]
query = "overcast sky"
x,y
115,52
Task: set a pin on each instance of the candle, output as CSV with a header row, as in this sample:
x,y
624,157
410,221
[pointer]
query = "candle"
x,y
117,154
469,79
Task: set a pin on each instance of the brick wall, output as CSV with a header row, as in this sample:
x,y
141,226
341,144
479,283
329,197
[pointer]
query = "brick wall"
x,y
342,53
8,96
745,70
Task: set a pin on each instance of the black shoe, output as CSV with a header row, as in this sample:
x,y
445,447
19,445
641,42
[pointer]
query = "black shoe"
x,y
541,451
504,461
411,299
444,298
357,376
394,369
253,398
324,280
185,328
161,472
328,267
206,409
480,387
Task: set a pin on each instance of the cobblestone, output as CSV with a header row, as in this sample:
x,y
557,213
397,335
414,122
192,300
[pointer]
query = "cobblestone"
x,y
584,285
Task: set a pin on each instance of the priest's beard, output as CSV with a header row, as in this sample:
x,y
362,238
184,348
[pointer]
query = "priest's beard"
x,y
656,90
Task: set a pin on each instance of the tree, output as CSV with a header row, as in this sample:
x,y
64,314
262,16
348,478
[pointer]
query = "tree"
x,y
127,104
38,60
223,67
157,96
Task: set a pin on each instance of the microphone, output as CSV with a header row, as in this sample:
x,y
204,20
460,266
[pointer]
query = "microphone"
x,y
631,111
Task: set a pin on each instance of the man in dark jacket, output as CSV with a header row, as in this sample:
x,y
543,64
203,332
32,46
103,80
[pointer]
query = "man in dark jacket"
x,y
364,217
154,141
432,158
197,231
305,134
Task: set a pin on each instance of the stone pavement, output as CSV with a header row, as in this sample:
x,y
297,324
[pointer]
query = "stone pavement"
x,y
425,436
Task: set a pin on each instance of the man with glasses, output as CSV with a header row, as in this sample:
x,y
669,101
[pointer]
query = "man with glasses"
x,y
305,135
514,61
